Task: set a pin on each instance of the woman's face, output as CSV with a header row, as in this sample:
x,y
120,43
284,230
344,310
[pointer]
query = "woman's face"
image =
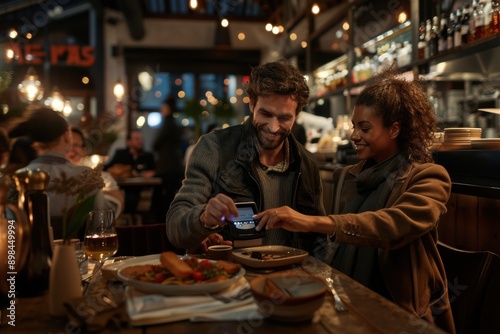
x,y
371,138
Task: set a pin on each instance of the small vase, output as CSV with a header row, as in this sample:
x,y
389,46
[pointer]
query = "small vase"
x,y
65,280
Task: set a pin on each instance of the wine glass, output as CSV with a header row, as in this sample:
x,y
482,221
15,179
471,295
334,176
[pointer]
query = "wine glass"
x,y
101,240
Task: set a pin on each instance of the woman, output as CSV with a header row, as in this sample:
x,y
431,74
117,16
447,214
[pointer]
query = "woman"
x,y
389,203
52,141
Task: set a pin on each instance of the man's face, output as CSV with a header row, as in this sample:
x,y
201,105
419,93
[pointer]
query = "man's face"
x,y
273,118
135,141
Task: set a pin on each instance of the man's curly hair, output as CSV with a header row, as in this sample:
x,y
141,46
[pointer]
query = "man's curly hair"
x,y
278,78
396,99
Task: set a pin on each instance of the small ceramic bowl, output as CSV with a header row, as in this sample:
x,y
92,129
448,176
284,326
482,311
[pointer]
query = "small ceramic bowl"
x,y
288,296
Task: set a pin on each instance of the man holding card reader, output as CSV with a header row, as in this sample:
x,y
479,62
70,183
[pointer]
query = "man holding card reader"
x,y
236,172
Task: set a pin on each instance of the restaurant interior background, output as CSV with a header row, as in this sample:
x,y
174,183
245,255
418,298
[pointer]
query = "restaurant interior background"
x,y
81,49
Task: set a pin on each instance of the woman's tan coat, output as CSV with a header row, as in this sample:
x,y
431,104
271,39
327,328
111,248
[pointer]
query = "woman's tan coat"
x,y
405,233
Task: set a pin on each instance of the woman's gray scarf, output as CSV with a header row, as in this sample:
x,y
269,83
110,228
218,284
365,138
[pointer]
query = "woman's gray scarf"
x,y
374,185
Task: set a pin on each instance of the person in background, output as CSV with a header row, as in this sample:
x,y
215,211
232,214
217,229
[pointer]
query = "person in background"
x,y
169,164
385,234
132,161
258,161
76,154
4,149
52,141
21,154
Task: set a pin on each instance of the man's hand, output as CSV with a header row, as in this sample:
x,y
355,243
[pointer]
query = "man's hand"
x,y
213,239
218,210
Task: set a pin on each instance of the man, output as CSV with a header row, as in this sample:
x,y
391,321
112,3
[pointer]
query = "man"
x,y
142,163
169,166
257,161
76,154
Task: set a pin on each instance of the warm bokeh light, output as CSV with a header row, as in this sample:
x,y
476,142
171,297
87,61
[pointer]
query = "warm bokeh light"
x,y
185,122
158,94
205,114
345,26
208,94
275,30
233,100
246,100
293,36
193,4
402,17
303,44
178,81
9,53
224,23
119,91
80,106
85,80
12,33
67,109
281,28
181,94
203,103
315,9
269,27
226,81
241,36
29,36
239,91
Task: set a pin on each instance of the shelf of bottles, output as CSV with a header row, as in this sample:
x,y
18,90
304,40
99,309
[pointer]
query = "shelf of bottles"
x,y
463,29
392,48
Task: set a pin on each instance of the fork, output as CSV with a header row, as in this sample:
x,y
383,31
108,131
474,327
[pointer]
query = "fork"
x,y
339,305
242,295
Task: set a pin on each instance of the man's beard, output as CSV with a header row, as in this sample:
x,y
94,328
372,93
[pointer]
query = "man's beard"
x,y
264,142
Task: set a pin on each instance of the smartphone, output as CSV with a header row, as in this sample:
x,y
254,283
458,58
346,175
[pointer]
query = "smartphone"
x,y
243,226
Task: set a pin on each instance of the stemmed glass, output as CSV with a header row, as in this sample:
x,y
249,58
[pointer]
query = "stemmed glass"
x,y
101,240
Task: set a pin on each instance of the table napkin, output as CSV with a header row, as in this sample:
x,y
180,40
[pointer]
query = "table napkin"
x,y
149,309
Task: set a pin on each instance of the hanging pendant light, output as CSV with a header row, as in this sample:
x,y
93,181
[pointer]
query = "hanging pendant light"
x,y
55,100
30,89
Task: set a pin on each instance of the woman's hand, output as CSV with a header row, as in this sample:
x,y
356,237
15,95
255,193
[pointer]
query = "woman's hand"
x,y
283,217
291,220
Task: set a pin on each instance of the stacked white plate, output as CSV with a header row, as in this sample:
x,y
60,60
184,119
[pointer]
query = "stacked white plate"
x,y
486,144
460,138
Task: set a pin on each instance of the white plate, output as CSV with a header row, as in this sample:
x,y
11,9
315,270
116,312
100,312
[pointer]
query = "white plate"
x,y
281,256
173,290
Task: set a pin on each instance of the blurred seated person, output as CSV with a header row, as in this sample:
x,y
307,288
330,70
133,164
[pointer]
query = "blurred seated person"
x,y
52,141
129,162
4,149
76,154
21,154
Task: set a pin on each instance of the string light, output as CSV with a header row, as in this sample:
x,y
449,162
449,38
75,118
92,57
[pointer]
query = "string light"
x,y
31,88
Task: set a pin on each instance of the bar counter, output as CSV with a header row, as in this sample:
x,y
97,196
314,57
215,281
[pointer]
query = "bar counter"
x,y
367,313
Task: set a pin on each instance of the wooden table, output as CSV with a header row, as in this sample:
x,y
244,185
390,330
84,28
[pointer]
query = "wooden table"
x,y
367,313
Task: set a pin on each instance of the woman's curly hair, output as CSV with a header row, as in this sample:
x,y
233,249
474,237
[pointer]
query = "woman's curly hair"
x,y
397,99
278,78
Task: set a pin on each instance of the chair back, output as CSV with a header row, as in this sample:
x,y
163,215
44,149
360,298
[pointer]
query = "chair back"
x,y
138,240
472,288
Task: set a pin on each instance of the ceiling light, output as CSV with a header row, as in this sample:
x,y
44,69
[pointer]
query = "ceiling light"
x,y
31,88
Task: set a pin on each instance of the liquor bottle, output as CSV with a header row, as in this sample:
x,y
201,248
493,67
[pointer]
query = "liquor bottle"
x,y
465,24
472,21
421,41
457,40
443,34
434,37
480,30
428,29
495,18
451,32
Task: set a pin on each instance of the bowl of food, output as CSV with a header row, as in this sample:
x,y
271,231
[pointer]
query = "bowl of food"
x,y
288,296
